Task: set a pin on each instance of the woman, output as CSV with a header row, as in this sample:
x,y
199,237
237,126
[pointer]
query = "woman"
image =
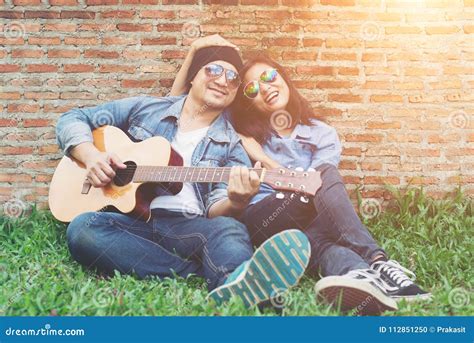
x,y
279,130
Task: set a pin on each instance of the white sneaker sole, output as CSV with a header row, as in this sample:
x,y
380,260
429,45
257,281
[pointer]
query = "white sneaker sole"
x,y
350,294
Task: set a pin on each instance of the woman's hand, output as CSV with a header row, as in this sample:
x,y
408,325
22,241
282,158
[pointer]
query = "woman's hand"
x,y
213,40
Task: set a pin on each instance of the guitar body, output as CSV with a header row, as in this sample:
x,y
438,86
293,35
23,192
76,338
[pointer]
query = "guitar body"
x,y
70,194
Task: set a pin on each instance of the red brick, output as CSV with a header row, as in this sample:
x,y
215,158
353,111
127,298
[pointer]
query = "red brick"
x,y
26,2
11,14
36,122
27,53
77,14
158,14
44,40
62,53
138,83
41,68
114,68
15,177
159,41
42,14
344,98
338,2
117,14
101,2
9,68
135,27
100,54
15,150
63,2
81,40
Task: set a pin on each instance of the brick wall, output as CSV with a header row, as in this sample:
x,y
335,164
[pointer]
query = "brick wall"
x,y
395,77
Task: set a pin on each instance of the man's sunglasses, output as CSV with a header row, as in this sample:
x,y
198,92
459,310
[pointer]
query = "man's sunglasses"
x,y
252,88
213,71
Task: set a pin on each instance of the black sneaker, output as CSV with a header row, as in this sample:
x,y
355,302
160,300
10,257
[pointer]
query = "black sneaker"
x,y
399,281
360,289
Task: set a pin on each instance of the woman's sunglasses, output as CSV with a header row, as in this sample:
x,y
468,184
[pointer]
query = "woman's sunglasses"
x,y
213,71
252,88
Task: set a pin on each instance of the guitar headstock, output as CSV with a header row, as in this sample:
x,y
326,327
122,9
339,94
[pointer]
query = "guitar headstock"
x,y
305,182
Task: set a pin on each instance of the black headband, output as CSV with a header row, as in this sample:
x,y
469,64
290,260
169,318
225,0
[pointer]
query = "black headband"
x,y
210,54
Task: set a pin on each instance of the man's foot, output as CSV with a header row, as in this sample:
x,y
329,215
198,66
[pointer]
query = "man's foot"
x,y
397,283
360,289
276,266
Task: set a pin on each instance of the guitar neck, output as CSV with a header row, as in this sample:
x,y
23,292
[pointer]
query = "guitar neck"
x,y
184,174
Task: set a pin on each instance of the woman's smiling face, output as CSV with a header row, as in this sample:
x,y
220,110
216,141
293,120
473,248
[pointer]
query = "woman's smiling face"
x,y
273,96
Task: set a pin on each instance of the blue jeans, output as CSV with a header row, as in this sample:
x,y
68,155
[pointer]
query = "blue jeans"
x,y
169,244
339,240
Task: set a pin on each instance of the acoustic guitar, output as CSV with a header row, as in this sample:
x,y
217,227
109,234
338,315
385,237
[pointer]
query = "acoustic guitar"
x,y
149,163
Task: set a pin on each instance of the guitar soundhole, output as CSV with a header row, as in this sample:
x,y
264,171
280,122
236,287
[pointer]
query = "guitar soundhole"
x,y
125,176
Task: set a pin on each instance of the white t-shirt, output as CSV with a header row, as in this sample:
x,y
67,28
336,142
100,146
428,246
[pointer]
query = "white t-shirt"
x,y
185,201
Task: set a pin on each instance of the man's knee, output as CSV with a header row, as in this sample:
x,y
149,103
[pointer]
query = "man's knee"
x,y
80,233
227,226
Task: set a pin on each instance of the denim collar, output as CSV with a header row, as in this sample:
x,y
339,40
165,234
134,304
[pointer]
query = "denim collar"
x,y
301,131
218,130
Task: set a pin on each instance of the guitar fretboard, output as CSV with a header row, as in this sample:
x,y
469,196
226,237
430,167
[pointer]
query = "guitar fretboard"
x,y
183,174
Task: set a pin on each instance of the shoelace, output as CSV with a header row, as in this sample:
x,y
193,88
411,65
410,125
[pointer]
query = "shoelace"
x,y
396,272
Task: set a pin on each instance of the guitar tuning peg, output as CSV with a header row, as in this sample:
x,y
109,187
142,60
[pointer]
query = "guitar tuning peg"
x,y
304,199
292,195
311,170
299,169
289,166
280,195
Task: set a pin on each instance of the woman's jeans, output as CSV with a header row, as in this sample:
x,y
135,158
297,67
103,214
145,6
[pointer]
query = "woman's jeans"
x,y
339,240
169,244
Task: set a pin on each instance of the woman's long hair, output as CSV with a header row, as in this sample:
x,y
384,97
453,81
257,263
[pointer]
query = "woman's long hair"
x,y
249,121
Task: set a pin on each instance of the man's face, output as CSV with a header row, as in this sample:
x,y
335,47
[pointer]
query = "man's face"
x,y
215,92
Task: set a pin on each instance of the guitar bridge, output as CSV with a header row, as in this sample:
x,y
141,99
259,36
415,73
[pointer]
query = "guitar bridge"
x,y
86,186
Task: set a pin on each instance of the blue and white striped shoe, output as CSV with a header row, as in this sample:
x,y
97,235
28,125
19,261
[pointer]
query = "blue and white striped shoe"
x,y
276,266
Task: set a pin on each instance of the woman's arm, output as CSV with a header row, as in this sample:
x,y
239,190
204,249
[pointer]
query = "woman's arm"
x,y
180,85
256,153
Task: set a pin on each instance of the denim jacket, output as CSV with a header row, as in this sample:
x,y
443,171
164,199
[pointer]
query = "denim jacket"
x,y
144,117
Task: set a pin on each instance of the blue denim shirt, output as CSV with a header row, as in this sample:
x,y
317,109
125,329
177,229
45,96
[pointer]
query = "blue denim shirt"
x,y
144,117
306,147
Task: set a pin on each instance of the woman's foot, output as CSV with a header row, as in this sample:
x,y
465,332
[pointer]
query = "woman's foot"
x,y
360,290
276,266
399,281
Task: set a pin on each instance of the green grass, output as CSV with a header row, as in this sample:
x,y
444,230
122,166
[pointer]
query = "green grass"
x,y
434,238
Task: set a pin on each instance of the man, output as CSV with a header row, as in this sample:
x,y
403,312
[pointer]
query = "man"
x,y
208,243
